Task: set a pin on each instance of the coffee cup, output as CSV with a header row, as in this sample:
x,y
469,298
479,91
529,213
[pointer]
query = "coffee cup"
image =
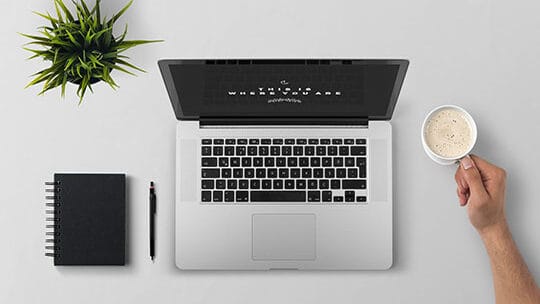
x,y
448,134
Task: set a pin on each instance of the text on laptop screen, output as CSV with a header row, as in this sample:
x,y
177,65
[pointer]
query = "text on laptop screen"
x,y
286,89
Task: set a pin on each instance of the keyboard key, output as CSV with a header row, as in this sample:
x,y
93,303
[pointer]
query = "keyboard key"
x,y
326,161
335,184
218,141
266,184
238,173
255,183
292,161
218,151
344,150
338,198
230,141
348,141
300,184
249,173
246,162
209,162
274,150
210,173
312,184
278,184
272,173
313,141
360,141
337,141
352,173
225,173
341,173
278,196
229,196
361,199
240,150
298,150
220,184
269,162
301,141
354,184
349,161
253,141
318,173
206,141
324,184
206,196
217,196
242,141
266,141
329,173
243,184
360,161
304,161
349,196
289,141
309,150
281,161
257,162
206,150
289,184
332,150
231,184
338,161
242,196
286,150
315,161
327,196
295,173
260,173
321,150
252,151
283,173
358,150
314,196
306,173
263,150
277,141
223,162
325,141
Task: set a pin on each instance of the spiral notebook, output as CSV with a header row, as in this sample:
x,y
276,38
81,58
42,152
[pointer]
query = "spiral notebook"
x,y
86,222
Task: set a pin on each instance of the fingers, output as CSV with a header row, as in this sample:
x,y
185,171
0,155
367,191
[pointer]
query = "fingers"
x,y
462,187
472,176
463,196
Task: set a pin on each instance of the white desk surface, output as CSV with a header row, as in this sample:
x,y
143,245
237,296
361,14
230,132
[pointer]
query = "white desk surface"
x,y
483,55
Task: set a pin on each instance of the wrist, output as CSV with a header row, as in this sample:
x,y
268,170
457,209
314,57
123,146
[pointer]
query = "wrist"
x,y
494,231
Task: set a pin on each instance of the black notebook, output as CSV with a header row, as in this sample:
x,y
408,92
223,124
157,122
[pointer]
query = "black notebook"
x,y
87,219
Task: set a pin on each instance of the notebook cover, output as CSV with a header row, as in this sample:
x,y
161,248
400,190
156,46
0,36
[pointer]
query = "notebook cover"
x,y
91,212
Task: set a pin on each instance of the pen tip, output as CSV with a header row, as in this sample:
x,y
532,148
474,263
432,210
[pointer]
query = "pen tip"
x,y
151,184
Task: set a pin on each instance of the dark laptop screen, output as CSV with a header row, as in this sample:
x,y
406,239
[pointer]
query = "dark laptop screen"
x,y
284,88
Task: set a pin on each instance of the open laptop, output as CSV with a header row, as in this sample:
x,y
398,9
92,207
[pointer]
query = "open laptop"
x,y
283,164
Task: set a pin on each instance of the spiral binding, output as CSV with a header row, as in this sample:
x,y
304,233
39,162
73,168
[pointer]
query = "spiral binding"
x,y
52,227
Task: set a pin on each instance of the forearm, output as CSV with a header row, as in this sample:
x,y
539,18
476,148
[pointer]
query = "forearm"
x,y
512,280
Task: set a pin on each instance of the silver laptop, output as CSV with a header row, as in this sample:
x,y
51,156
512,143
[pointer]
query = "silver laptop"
x,y
283,164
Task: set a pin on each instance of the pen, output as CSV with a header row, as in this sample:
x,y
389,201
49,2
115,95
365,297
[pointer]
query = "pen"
x,y
152,220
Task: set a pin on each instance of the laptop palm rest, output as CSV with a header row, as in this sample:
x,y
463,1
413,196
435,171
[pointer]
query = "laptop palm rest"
x,y
283,237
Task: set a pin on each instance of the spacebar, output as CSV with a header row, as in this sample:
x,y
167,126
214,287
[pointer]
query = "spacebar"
x,y
278,196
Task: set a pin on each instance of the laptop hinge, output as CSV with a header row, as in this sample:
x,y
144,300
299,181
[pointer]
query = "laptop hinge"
x,y
228,121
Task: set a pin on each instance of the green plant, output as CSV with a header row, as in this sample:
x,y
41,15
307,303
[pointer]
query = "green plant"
x,y
81,47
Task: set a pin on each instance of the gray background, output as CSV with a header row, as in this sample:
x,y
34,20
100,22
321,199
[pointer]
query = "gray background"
x,y
480,54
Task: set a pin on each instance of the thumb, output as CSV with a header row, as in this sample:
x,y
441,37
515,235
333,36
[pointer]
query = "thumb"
x,y
472,176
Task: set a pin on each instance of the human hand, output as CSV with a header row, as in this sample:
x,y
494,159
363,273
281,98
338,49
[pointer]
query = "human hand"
x,y
481,187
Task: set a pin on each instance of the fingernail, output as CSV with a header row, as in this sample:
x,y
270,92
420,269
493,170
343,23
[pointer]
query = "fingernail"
x,y
466,162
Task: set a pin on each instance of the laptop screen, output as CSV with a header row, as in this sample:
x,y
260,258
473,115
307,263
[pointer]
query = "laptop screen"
x,y
283,88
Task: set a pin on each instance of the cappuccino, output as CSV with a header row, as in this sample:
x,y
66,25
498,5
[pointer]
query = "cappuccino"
x,y
448,133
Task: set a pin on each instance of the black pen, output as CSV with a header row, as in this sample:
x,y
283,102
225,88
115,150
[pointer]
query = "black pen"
x,y
152,220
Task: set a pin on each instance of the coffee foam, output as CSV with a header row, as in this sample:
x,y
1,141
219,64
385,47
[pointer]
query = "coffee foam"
x,y
448,133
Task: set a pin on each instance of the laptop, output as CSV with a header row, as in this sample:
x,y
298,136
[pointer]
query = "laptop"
x,y
283,164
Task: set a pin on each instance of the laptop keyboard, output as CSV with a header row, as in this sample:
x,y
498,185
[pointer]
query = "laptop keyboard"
x,y
284,170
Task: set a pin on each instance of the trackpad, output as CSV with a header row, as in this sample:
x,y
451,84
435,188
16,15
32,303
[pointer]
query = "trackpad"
x,y
283,236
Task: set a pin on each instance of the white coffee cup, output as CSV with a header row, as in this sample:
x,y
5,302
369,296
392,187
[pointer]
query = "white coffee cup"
x,y
473,134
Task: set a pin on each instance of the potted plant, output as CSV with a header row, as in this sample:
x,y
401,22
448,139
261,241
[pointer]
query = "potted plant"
x,y
81,48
